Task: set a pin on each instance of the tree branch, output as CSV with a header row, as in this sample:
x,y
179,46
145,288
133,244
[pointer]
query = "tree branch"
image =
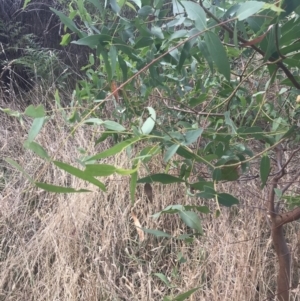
x,y
279,63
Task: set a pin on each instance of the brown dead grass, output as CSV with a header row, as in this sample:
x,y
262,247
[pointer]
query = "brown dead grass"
x,y
75,247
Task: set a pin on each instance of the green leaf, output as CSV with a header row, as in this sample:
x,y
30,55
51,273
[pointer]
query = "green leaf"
x,y
103,170
195,12
114,6
148,152
145,11
248,9
97,4
130,5
171,209
107,64
218,53
113,126
192,220
79,174
123,67
58,189
290,132
170,152
19,168
94,40
109,124
113,59
157,32
205,52
161,178
185,53
138,3
100,170
11,112
200,185
143,42
178,34
94,121
36,126
149,124
156,233
227,200
68,22
37,112
183,152
265,167
132,186
163,278
185,295
202,209
208,193
26,2
177,8
230,122
115,149
65,40
37,148
192,136
224,170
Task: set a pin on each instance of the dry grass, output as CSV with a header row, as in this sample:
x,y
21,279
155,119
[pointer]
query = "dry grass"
x,y
85,246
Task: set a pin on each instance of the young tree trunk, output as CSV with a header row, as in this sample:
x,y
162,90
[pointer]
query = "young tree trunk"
x,y
284,261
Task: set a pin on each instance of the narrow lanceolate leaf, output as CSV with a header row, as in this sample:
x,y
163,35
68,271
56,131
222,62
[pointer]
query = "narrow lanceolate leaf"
x,y
115,7
58,189
125,172
36,126
163,278
264,170
19,168
248,9
156,233
80,174
170,152
123,67
68,22
185,53
218,53
94,40
230,122
100,170
97,4
192,220
195,12
204,50
115,149
185,295
37,148
107,65
149,124
113,126
227,200
132,186
113,59
161,178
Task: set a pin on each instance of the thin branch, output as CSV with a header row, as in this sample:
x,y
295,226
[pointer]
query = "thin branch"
x,y
280,64
290,158
192,111
286,187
